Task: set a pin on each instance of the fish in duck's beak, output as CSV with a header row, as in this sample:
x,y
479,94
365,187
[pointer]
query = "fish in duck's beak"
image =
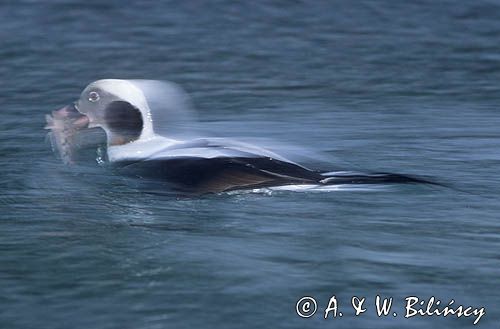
x,y
65,125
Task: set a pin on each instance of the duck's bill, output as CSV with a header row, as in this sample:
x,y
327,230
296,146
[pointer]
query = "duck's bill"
x,y
70,116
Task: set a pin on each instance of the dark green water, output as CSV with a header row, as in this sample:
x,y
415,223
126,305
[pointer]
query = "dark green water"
x,y
376,86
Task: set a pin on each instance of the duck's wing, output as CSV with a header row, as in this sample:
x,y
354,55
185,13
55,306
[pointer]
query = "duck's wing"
x,y
218,174
215,165
213,148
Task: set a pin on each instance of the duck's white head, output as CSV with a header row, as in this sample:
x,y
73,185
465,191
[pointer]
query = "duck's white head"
x,y
119,108
133,110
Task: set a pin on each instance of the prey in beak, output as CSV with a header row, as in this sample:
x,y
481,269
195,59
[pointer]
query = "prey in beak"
x,y
65,125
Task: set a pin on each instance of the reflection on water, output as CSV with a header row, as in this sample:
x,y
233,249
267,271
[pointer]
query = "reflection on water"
x,y
409,88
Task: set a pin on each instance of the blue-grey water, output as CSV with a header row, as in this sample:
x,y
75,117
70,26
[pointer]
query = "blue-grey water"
x,y
395,86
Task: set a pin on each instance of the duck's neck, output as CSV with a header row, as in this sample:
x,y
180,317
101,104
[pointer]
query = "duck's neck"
x,y
139,149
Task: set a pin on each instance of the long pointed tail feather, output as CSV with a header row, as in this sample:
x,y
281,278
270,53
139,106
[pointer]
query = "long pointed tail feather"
x,y
372,178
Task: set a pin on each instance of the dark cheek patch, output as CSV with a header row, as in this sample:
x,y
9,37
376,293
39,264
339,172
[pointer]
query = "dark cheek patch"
x,y
124,120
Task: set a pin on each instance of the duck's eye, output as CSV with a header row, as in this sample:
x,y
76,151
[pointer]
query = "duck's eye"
x,y
93,96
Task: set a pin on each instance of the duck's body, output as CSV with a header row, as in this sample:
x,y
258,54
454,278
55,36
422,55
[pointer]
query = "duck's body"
x,y
218,165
